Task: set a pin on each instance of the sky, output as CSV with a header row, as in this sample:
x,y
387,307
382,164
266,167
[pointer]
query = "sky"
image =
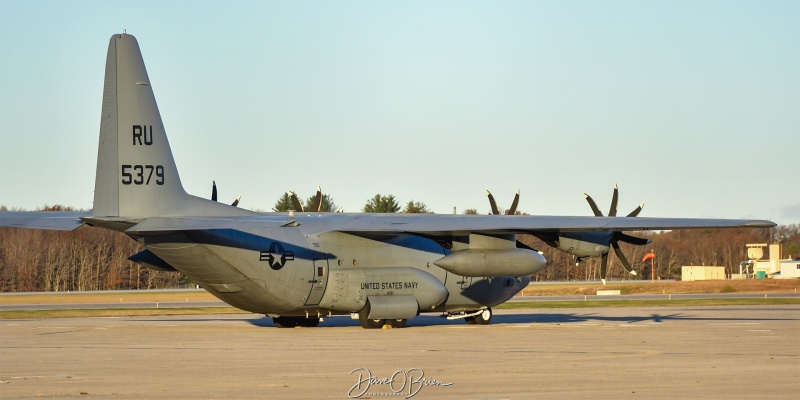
x,y
692,107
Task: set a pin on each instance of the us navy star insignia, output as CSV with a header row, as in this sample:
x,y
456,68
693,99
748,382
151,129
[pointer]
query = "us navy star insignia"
x,y
276,256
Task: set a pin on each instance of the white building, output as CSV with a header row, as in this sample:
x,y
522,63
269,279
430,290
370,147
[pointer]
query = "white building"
x,y
774,267
702,273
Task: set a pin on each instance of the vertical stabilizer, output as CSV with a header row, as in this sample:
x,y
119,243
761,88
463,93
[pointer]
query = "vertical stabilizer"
x,y
136,174
106,192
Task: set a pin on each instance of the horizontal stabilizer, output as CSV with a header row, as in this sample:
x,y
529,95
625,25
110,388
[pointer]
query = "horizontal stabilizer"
x,y
50,220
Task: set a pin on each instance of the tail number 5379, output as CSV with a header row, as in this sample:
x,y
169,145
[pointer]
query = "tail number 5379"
x,y
142,174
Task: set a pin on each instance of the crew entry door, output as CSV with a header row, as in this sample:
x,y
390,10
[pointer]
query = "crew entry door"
x,y
318,282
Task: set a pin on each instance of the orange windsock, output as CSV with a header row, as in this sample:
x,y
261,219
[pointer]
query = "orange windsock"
x,y
648,256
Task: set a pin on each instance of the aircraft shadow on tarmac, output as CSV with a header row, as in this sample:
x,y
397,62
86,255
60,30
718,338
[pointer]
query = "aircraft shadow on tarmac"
x,y
527,318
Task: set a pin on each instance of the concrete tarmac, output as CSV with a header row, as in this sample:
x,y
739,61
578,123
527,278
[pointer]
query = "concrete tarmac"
x,y
219,303
732,352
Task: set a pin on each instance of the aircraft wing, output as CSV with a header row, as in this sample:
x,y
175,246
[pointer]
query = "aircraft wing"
x,y
438,225
51,220
427,224
451,225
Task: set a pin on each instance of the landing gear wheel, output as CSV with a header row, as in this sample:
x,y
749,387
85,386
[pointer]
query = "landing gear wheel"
x,y
484,318
293,322
367,323
284,322
397,323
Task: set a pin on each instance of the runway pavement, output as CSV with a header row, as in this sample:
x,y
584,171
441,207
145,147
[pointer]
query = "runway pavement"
x,y
732,352
219,303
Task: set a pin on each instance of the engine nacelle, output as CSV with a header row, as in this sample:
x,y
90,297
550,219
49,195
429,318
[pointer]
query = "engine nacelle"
x,y
492,262
585,244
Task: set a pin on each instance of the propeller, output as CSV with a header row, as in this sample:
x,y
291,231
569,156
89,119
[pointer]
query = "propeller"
x,y
617,236
214,194
296,204
316,204
510,211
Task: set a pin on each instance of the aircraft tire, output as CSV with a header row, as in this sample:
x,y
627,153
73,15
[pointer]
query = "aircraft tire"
x,y
294,322
397,323
367,323
484,318
284,322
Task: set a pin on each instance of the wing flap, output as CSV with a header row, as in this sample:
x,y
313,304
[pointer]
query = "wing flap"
x,y
173,224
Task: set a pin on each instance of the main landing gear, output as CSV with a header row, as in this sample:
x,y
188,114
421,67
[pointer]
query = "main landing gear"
x,y
295,322
367,323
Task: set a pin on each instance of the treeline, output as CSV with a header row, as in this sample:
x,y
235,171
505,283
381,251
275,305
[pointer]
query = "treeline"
x,y
97,259
33,260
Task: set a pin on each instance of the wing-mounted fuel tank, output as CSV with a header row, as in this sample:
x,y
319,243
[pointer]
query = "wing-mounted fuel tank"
x,y
349,289
492,256
480,263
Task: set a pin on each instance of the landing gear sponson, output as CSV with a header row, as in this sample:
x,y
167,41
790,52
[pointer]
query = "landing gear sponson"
x,y
371,323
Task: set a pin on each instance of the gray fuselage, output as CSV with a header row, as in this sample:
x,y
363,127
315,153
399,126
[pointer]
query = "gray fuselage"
x,y
295,271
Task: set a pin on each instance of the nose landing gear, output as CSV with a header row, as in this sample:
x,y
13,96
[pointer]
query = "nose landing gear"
x,y
483,317
478,317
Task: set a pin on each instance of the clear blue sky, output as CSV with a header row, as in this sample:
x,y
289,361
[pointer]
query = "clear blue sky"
x,y
693,107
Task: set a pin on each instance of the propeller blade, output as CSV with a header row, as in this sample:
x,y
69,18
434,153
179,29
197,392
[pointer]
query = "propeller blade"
x,y
236,202
622,259
213,191
592,204
612,212
317,204
631,239
603,267
513,209
296,202
492,203
636,211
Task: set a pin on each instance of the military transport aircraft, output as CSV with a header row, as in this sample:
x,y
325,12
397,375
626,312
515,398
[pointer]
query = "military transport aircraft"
x,y
300,267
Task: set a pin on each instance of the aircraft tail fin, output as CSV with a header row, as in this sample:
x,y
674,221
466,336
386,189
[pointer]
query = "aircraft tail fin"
x,y
136,173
